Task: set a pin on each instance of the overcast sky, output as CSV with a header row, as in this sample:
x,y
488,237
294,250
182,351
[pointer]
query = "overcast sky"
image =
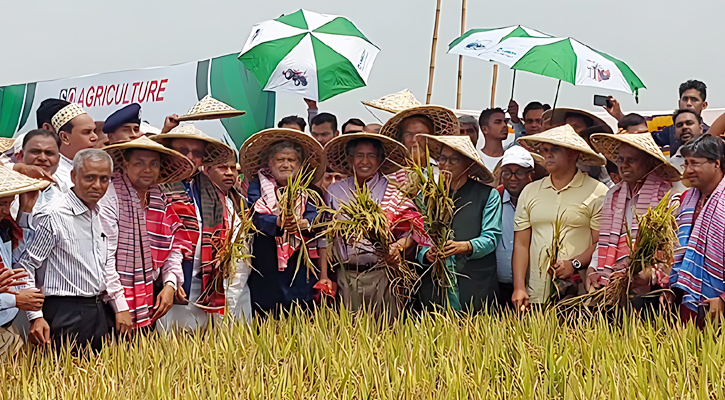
x,y
663,41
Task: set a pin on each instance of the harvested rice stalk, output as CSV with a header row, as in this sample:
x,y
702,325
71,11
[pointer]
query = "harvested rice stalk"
x,y
552,257
232,248
654,246
361,223
433,200
292,200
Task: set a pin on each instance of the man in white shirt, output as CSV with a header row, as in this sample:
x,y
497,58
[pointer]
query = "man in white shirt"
x,y
69,253
494,129
76,130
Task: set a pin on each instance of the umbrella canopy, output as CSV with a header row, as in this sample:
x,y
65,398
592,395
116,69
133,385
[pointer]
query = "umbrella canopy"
x,y
565,59
475,42
316,55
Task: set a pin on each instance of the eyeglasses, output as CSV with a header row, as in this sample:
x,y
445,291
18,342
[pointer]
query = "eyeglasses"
x,y
448,160
695,164
520,174
194,153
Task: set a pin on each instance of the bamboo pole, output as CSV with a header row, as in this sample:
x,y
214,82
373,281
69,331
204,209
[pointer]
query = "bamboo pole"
x,y
433,53
493,85
460,58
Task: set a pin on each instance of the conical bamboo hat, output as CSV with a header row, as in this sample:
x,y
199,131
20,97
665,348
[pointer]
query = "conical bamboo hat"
x,y
338,159
608,145
564,136
463,145
175,166
253,154
13,183
210,108
216,152
395,103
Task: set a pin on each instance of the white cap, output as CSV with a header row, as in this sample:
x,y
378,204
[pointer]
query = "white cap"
x,y
519,156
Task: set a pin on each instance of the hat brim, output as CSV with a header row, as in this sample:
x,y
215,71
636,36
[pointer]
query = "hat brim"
x,y
14,183
608,145
253,154
338,161
211,115
444,120
175,166
216,152
6,144
587,157
478,170
558,116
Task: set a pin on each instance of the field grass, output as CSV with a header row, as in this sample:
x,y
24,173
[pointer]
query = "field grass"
x,y
341,356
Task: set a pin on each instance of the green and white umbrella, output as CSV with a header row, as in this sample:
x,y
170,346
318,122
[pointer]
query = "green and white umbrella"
x,y
565,59
315,55
475,42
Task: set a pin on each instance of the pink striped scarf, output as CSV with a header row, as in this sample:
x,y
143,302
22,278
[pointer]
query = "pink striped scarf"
x,y
145,237
268,203
612,243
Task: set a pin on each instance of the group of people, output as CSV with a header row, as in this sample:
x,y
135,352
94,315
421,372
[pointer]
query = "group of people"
x,y
108,229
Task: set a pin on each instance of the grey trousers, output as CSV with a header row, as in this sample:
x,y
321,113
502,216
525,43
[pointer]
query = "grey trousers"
x,y
368,290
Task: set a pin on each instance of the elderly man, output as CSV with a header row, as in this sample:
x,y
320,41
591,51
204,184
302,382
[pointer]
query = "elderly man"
x,y
365,157
568,196
146,239
197,202
646,178
476,229
76,130
225,177
697,275
269,159
124,124
517,171
69,252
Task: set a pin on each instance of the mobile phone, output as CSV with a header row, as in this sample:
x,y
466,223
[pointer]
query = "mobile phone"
x,y
600,100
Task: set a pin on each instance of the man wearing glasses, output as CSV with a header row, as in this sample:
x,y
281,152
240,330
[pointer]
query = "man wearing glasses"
x,y
517,171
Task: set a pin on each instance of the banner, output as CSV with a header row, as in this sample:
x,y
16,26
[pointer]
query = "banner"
x,y
161,91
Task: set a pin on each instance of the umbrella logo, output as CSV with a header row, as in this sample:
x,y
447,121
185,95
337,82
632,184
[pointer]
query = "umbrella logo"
x,y
363,58
256,33
298,77
478,45
506,53
598,73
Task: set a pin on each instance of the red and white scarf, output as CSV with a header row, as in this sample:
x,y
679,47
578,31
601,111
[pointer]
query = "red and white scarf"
x,y
612,245
268,203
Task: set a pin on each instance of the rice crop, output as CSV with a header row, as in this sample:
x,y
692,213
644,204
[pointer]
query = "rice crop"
x,y
330,355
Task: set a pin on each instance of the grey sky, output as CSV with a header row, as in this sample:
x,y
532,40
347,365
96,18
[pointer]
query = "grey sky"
x,y
663,42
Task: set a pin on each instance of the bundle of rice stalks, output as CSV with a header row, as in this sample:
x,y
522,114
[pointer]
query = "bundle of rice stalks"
x,y
231,248
433,200
653,247
292,200
361,223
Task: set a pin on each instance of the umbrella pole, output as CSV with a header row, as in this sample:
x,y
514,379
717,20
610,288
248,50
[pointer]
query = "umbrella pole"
x,y
460,58
513,85
556,98
493,84
433,53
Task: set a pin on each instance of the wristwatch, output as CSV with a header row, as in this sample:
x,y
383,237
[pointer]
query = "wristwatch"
x,y
576,264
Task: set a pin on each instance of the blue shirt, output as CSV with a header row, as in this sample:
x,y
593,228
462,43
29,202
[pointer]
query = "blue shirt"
x,y
505,247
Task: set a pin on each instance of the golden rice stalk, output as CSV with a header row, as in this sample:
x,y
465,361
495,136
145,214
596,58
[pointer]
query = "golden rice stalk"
x,y
432,198
230,249
361,221
552,254
654,246
292,201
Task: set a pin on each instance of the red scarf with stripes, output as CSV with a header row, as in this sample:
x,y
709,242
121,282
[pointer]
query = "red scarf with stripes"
x,y
145,236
